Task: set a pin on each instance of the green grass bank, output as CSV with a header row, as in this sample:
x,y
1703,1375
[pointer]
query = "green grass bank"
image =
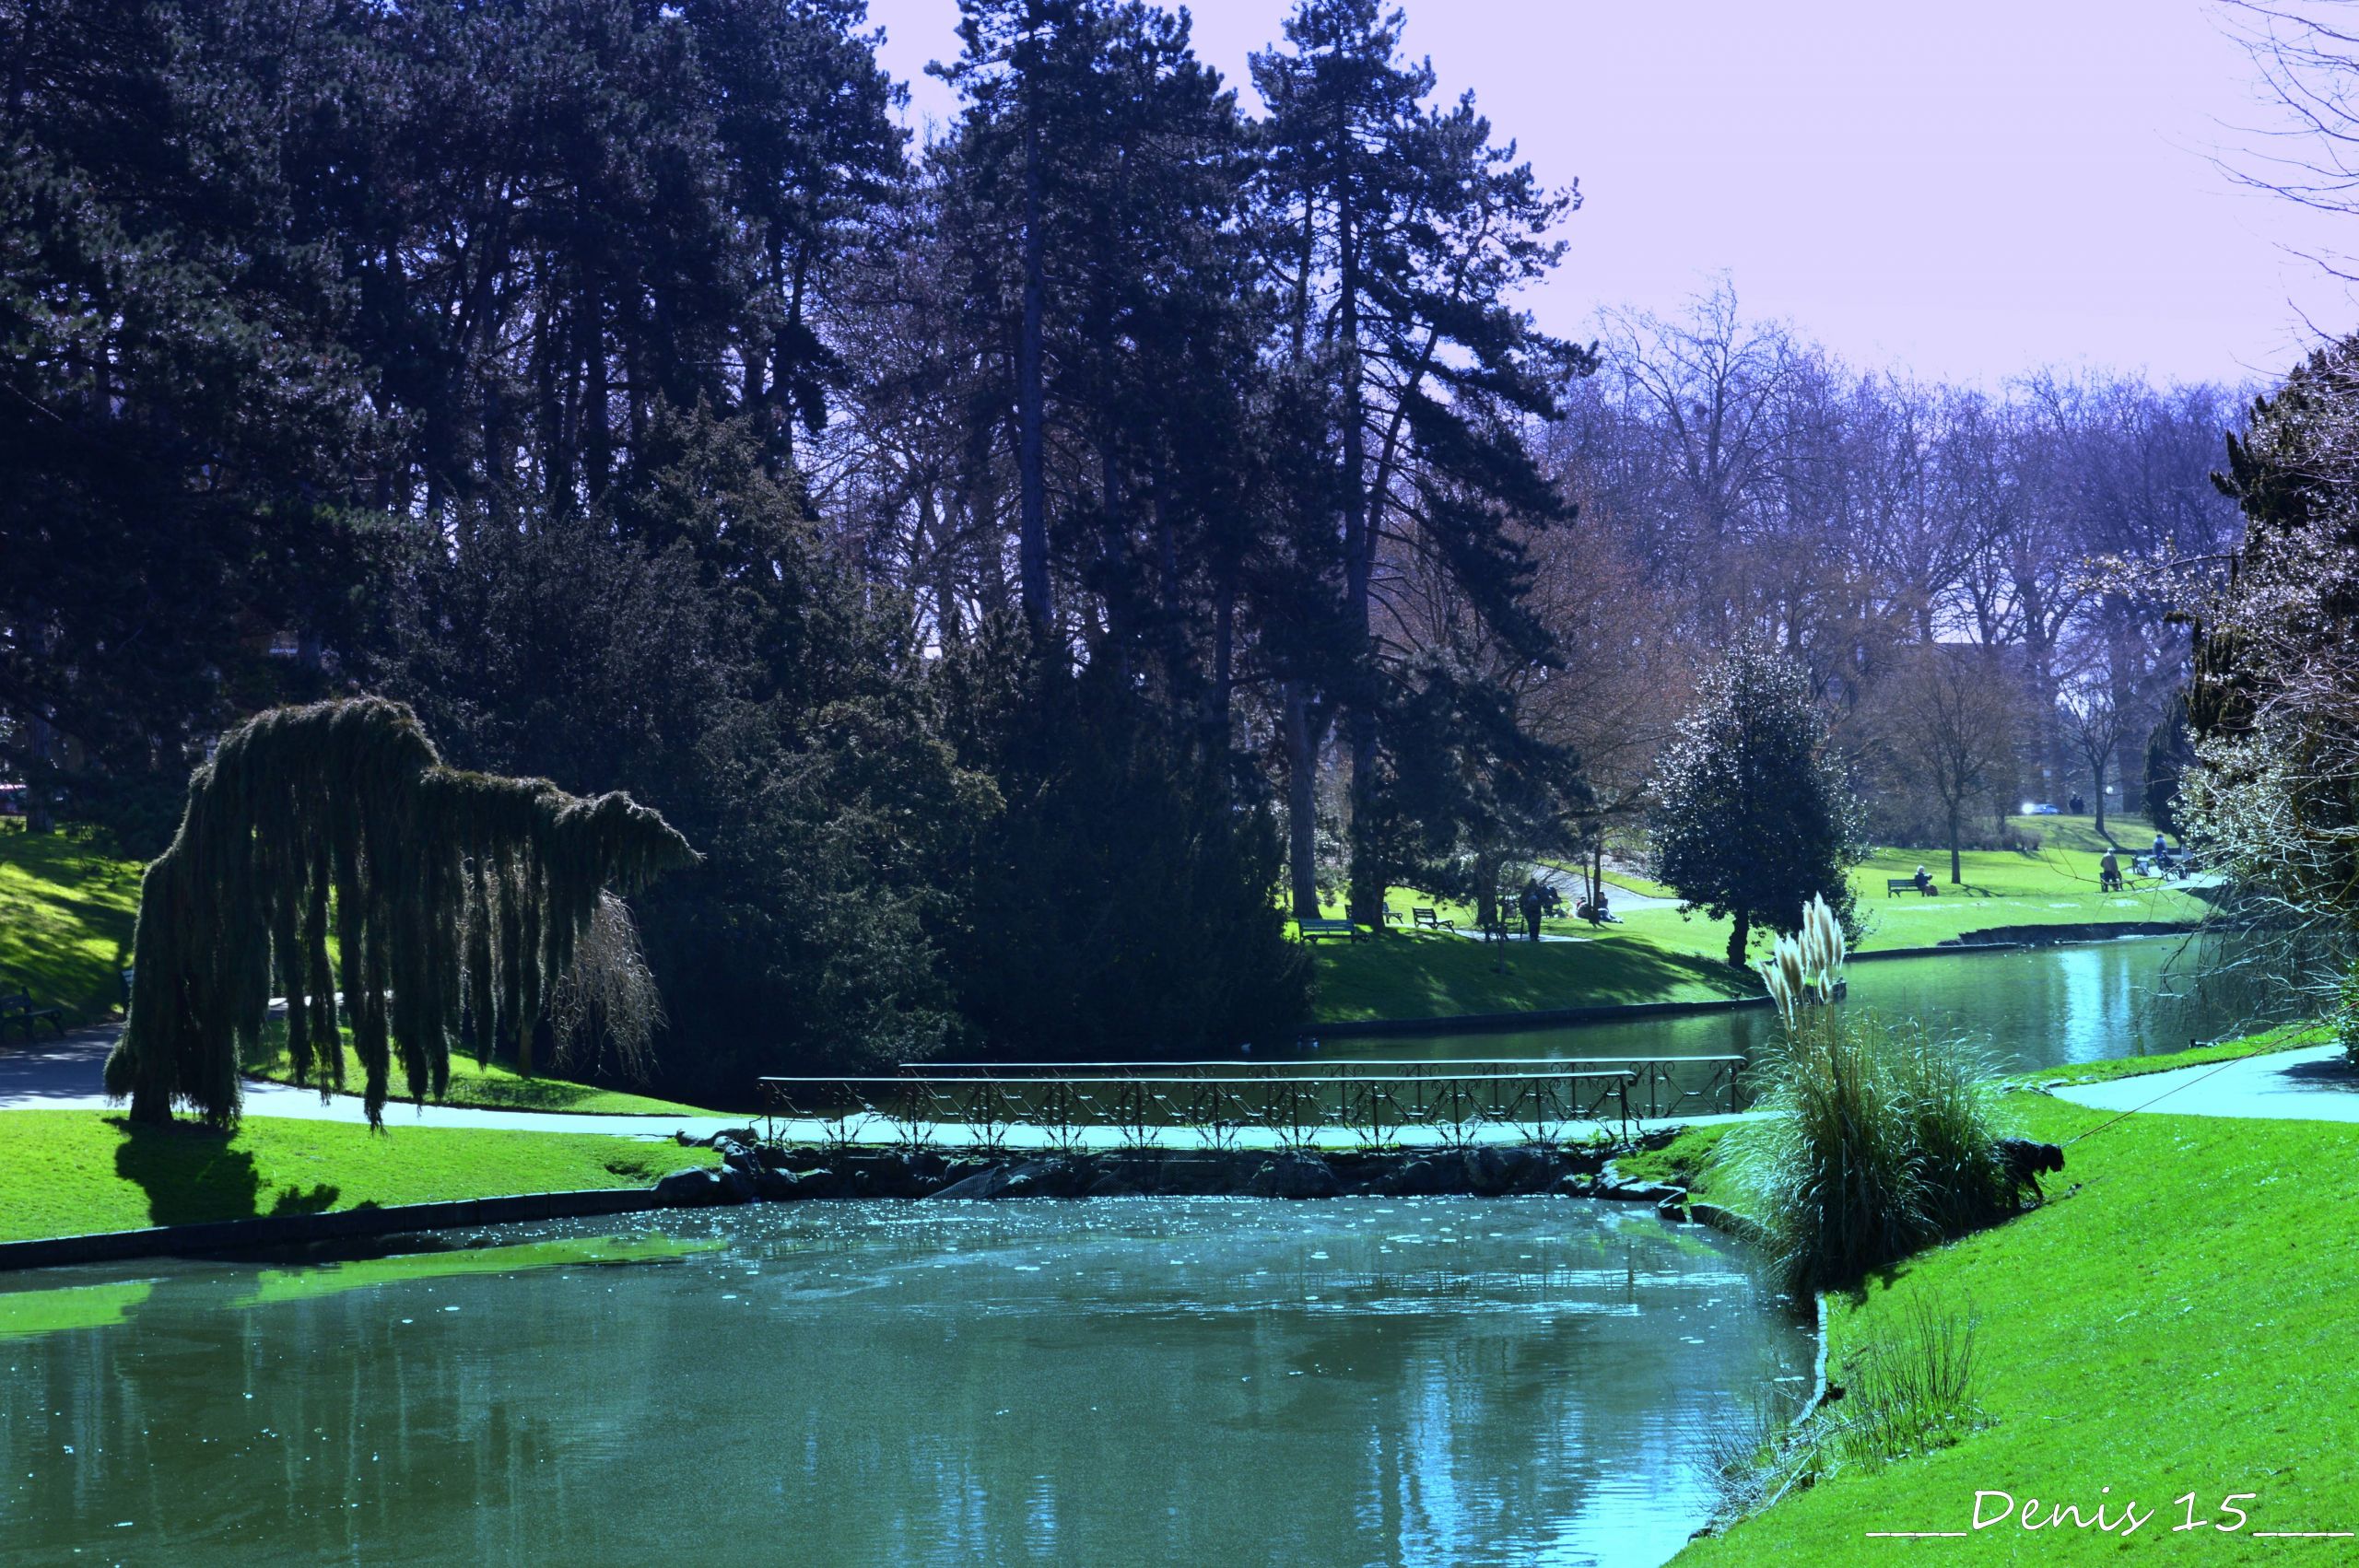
x,y
66,911
76,1172
2175,1320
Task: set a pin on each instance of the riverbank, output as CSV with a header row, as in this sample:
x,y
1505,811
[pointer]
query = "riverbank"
x,y
1654,954
2173,1320
77,1172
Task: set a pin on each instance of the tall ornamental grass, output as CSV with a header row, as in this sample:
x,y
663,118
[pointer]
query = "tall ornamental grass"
x,y
1879,1141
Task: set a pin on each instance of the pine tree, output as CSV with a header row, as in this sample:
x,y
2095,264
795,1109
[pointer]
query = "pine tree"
x,y
1401,233
454,900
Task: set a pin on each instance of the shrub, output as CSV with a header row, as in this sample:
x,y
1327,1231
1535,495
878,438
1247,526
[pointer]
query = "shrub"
x,y
1880,1140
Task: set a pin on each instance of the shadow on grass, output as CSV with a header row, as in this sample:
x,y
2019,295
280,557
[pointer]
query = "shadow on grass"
x,y
193,1176
1395,977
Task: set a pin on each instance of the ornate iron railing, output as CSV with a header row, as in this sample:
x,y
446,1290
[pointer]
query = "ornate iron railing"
x,y
1067,1110
1660,1088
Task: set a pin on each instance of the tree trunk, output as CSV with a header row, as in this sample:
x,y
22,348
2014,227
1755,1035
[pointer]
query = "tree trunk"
x,y
2096,799
1957,880
1032,537
1302,801
1740,937
1366,886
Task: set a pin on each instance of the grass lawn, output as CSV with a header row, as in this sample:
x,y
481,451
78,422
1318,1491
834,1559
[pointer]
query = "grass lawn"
x,y
2179,1323
70,1172
1656,954
492,1087
65,917
1427,976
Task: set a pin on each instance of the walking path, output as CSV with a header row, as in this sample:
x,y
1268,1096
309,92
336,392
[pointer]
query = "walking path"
x,y
2314,1083
67,1075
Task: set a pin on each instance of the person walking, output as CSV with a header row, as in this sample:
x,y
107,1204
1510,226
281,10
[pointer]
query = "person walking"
x,y
1531,904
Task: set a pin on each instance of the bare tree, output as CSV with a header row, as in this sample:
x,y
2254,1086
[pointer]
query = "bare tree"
x,y
2095,725
1949,718
2306,56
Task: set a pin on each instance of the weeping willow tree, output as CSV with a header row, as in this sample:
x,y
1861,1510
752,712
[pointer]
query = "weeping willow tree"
x,y
454,901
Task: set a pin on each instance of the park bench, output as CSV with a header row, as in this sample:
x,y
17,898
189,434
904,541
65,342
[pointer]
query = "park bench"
x,y
1430,919
1895,885
1311,930
17,1009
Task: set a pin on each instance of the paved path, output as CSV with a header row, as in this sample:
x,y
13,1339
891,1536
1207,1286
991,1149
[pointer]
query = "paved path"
x,y
2311,1085
67,1075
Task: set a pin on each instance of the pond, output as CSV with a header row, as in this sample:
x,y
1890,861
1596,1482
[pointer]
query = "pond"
x,y
2028,1007
1443,1381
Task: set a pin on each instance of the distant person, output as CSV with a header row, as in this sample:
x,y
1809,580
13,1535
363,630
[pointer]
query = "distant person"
x,y
2079,806
1923,879
2161,851
2109,873
1531,904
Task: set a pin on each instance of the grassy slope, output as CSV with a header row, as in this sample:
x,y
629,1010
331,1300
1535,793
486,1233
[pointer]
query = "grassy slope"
x,y
2180,1322
68,1173
65,918
493,1086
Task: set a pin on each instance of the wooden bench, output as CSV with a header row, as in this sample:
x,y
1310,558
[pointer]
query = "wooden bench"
x,y
1895,885
1312,930
17,1008
1430,919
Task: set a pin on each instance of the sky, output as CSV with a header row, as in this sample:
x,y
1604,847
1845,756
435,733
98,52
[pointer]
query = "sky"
x,y
1964,192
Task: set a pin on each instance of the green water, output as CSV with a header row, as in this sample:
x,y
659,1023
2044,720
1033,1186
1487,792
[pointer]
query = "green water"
x,y
2035,1007
1429,1382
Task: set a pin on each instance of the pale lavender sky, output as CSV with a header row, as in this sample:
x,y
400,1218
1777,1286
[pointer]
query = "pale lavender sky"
x,y
1967,190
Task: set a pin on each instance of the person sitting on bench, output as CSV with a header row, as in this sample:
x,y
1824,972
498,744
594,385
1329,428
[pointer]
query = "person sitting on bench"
x,y
1923,879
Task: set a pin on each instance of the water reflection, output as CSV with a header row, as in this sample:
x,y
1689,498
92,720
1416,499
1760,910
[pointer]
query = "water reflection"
x,y
1447,1381
2029,1007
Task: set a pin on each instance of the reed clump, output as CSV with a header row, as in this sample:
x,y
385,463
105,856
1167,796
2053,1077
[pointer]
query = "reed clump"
x,y
1880,1139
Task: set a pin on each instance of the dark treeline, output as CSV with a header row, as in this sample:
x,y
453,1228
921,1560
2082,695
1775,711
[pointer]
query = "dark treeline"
x,y
972,548
1025,564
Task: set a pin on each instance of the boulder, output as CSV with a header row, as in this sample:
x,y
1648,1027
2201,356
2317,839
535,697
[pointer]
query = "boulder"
x,y
1427,1176
1044,1178
697,1189
1293,1176
738,1186
782,1187
1493,1170
989,1182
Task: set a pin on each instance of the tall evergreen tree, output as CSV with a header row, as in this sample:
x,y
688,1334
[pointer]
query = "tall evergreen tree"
x,y
1399,233
1754,815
